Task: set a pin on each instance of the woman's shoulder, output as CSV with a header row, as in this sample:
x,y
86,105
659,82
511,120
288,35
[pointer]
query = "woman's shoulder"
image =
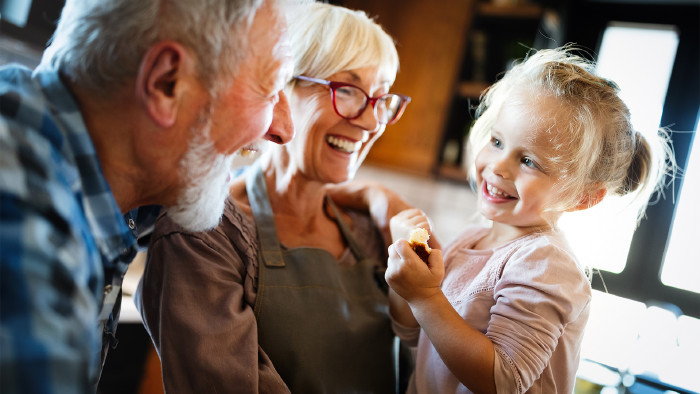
x,y
235,227
366,232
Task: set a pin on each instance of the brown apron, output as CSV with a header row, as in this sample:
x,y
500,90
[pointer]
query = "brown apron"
x,y
325,327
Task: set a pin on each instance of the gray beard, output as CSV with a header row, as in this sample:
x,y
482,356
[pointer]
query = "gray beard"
x,y
201,203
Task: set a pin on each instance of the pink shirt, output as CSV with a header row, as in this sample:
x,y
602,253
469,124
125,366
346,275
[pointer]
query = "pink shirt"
x,y
529,296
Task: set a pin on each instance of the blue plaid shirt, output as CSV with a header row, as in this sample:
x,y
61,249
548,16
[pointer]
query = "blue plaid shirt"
x,y
64,243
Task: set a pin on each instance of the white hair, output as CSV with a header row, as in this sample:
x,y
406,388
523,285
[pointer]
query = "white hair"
x,y
100,43
327,39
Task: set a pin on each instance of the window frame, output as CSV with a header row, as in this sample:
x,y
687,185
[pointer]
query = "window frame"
x,y
640,280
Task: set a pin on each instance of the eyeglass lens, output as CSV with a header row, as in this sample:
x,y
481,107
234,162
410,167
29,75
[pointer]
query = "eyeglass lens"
x,y
350,101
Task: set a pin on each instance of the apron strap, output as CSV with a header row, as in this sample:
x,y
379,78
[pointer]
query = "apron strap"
x,y
356,250
270,248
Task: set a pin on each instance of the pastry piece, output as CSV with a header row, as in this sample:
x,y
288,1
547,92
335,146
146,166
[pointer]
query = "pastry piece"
x,y
419,242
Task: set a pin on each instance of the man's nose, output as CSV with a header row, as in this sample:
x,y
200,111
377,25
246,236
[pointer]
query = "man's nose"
x,y
281,129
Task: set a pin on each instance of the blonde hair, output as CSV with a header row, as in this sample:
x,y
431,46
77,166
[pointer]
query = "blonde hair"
x,y
327,39
596,146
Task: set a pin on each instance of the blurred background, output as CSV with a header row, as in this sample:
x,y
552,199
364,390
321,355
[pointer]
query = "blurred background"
x,y
644,333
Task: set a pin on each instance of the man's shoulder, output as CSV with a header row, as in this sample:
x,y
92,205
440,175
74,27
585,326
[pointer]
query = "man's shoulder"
x,y
35,153
14,75
25,112
19,92
34,166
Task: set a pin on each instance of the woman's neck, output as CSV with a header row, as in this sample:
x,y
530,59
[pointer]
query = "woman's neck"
x,y
291,193
299,209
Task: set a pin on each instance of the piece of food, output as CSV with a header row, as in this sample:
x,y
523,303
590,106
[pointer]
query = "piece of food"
x,y
419,242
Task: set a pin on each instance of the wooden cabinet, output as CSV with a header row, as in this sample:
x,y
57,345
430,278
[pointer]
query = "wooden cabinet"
x,y
430,38
438,44
499,34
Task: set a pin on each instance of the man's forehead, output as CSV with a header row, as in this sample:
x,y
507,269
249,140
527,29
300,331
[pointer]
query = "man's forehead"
x,y
279,59
283,52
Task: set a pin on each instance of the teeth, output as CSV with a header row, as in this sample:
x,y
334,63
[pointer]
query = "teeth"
x,y
496,192
344,145
245,152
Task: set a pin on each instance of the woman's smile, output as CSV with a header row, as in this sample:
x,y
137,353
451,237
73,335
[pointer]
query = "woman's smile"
x,y
343,144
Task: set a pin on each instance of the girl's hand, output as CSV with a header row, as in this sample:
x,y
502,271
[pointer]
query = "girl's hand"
x,y
409,276
405,221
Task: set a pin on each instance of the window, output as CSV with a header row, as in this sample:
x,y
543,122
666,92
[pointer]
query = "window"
x,y
644,327
642,73
15,11
681,267
643,276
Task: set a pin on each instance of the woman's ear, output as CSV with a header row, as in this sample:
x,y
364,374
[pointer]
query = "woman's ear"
x,y
162,69
590,198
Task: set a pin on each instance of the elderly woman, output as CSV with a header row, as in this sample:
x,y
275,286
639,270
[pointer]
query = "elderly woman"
x,y
288,292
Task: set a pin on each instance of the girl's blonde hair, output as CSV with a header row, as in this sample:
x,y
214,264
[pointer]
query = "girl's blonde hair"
x,y
596,146
327,39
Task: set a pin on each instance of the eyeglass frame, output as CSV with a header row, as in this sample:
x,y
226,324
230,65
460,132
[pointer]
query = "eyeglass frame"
x,y
333,85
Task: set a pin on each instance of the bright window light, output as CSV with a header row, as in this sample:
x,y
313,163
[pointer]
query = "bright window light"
x,y
639,339
681,268
628,335
601,236
15,11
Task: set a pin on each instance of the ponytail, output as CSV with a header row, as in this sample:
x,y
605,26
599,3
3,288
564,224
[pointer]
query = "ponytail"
x,y
652,160
639,169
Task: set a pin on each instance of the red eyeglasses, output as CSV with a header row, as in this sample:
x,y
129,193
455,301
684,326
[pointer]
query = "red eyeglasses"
x,y
350,101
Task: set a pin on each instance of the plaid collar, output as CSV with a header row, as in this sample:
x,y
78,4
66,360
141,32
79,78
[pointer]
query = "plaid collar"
x,y
104,217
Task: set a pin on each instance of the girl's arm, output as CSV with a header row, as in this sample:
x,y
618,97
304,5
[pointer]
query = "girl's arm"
x,y
468,353
400,310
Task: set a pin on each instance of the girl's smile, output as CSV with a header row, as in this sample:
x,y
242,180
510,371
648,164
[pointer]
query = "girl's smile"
x,y
494,194
517,184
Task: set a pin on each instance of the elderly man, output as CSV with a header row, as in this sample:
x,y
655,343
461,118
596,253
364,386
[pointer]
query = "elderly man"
x,y
135,103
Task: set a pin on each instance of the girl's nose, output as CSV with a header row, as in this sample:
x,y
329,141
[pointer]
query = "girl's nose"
x,y
501,167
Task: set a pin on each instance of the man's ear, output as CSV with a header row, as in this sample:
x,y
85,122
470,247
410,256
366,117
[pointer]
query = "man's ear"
x,y
162,69
589,199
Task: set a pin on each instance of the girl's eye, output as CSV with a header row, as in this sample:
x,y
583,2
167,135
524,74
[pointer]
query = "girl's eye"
x,y
528,162
496,142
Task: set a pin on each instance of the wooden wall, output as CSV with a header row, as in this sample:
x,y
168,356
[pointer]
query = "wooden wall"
x,y
430,37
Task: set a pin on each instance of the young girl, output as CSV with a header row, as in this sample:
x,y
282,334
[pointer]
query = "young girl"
x,y
510,313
